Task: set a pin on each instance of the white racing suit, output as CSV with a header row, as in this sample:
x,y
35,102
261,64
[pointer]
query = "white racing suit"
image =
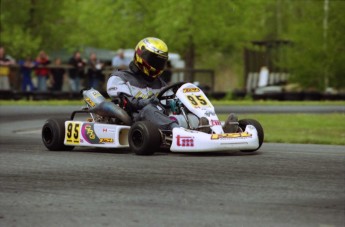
x,y
140,92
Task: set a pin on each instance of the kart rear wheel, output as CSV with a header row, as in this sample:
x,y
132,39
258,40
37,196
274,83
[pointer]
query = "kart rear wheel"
x,y
144,138
53,135
243,124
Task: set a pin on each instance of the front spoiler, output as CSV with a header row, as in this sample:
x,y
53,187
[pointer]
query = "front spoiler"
x,y
185,140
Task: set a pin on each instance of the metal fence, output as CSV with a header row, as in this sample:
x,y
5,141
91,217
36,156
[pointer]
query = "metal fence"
x,y
204,77
269,54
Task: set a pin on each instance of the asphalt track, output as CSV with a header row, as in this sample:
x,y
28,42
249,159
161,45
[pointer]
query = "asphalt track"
x,y
281,185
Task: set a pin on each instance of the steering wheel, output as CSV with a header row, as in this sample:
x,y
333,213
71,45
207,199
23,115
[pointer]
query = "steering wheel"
x,y
174,87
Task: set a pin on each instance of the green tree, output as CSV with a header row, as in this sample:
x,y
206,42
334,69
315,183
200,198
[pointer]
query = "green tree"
x,y
315,59
30,25
205,33
208,32
199,26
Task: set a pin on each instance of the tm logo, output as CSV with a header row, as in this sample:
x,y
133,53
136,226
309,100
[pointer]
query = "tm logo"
x,y
185,141
215,122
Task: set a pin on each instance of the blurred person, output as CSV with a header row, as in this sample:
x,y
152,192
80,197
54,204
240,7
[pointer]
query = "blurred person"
x,y
5,63
57,75
77,72
94,71
119,62
42,71
167,74
26,68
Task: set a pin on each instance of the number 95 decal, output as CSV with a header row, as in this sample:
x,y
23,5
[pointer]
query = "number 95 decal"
x,y
197,100
72,133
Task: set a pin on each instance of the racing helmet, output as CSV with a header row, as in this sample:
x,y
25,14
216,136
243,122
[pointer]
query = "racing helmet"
x,y
151,56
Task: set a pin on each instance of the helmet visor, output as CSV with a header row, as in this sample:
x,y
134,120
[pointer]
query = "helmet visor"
x,y
156,61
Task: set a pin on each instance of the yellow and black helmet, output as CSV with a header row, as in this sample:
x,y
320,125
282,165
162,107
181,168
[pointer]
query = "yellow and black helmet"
x,y
151,56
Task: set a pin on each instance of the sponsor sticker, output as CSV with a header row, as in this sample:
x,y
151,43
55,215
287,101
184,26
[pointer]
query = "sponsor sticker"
x,y
89,134
106,140
108,130
89,101
209,113
215,122
194,89
96,94
185,141
230,136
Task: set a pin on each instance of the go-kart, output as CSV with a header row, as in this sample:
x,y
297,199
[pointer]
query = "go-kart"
x,y
111,126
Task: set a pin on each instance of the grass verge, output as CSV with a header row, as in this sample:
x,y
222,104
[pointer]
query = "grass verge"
x,y
277,103
301,128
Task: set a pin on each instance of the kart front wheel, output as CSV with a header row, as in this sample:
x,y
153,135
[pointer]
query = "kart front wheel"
x,y
144,138
53,135
243,124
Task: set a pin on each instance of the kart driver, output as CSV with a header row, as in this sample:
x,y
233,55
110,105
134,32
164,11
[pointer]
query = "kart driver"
x,y
138,86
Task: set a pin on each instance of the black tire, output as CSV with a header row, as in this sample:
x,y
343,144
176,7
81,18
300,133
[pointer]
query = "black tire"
x,y
53,135
244,122
144,138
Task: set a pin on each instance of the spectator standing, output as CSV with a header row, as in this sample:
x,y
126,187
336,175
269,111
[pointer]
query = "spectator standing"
x,y
26,67
5,64
119,62
57,73
94,71
77,71
42,71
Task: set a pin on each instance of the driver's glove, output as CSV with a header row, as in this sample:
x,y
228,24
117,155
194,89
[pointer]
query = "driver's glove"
x,y
151,100
139,103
